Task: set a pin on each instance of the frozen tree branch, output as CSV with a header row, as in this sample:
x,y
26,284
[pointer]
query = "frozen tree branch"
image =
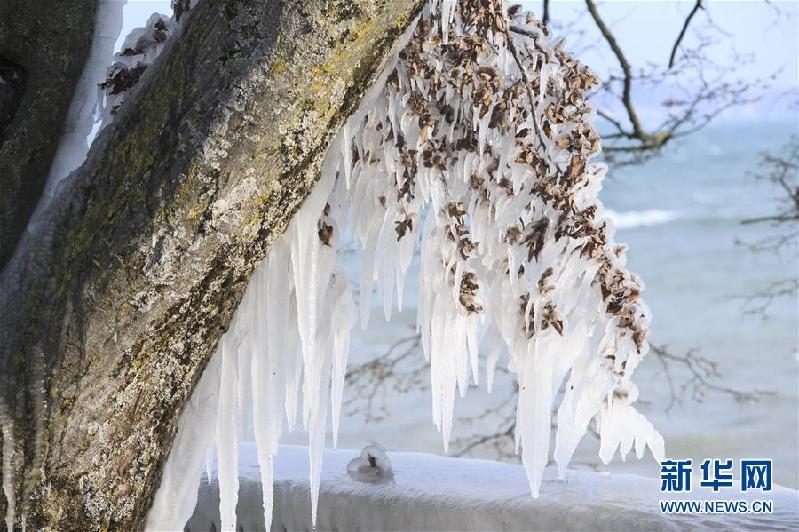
x,y
112,305
519,251
691,376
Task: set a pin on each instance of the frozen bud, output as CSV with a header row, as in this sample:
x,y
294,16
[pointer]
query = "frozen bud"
x,y
372,466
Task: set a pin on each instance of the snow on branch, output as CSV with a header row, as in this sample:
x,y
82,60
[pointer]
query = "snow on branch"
x,y
476,144
139,50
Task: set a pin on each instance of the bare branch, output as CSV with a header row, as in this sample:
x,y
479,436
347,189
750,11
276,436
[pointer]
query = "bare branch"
x,y
702,90
697,7
703,377
776,218
759,302
545,13
782,171
625,67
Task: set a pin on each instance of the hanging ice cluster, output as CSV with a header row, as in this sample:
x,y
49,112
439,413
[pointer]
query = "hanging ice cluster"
x,y
475,143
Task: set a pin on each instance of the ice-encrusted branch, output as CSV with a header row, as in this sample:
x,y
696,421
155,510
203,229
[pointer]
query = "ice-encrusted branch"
x,y
140,48
111,308
478,148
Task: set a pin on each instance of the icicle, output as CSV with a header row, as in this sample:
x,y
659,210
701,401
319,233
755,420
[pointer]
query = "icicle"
x,y
226,440
269,358
341,324
346,153
493,357
181,475
620,425
209,458
446,14
8,474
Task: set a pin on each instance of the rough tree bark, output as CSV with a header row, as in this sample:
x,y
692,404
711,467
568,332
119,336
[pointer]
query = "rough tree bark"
x,y
111,309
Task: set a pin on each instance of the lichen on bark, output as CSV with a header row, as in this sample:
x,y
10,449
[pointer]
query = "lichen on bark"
x,y
111,308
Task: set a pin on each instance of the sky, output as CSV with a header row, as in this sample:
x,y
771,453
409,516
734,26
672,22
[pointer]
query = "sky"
x,y
646,30
768,33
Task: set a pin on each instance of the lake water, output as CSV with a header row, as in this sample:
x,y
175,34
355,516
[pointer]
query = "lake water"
x,y
680,215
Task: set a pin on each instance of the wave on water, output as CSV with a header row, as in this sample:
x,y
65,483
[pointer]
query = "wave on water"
x,y
644,218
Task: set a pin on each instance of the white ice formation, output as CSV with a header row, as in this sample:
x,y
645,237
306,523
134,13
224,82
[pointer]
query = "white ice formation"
x,y
102,89
439,493
372,465
8,471
74,142
476,144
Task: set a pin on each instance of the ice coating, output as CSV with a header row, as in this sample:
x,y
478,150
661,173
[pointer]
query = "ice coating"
x,y
475,145
140,48
102,89
473,495
279,333
8,472
181,475
74,142
484,130
372,465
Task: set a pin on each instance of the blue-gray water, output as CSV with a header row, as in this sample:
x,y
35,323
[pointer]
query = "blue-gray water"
x,y
680,215
692,266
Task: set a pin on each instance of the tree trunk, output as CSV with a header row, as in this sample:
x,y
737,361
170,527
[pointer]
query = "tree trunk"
x,y
111,308
43,46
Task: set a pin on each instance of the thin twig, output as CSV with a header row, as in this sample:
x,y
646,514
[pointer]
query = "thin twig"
x,y
527,83
697,7
704,377
545,14
625,68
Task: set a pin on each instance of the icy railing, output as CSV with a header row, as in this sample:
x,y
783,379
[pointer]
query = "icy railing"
x,y
477,141
468,495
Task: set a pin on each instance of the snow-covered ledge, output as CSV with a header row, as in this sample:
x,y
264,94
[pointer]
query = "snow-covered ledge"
x,y
435,493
